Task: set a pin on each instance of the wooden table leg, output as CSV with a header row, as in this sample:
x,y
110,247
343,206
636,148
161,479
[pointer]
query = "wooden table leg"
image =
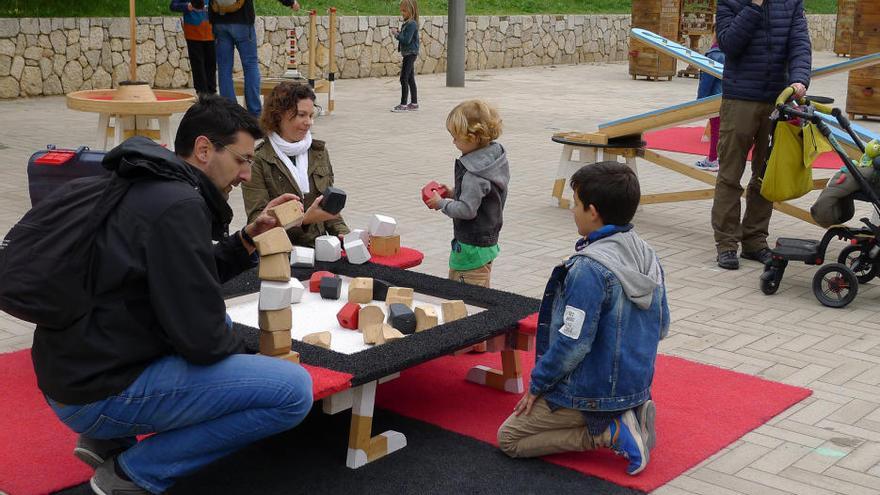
x,y
103,125
364,448
509,377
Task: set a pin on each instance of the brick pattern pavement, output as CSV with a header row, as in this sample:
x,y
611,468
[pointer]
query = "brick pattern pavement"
x,y
829,443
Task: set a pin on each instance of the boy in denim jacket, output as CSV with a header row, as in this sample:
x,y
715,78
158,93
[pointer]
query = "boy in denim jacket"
x,y
602,317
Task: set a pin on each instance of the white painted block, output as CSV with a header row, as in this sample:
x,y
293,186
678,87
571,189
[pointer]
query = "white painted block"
x,y
382,225
356,234
298,289
357,252
302,257
328,248
275,295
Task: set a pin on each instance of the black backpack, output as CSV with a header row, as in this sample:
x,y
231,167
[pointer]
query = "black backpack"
x,y
45,257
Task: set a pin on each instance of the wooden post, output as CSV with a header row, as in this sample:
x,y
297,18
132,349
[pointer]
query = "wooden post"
x,y
313,47
132,70
331,77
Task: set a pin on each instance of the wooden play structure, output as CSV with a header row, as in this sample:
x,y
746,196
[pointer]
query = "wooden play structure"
x,y
843,28
320,86
662,17
623,139
697,20
132,109
863,88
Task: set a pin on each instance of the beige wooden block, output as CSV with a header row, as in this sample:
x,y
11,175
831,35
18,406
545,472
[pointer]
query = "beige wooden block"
x,y
289,214
277,320
274,267
426,317
291,356
390,333
385,245
453,310
273,241
360,290
370,315
374,334
402,295
320,339
275,343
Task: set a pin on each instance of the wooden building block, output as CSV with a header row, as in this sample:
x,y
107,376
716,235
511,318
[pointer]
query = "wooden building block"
x,y
315,280
385,245
433,187
274,267
320,339
402,295
348,316
288,214
291,356
382,225
401,317
328,248
453,310
275,295
370,315
373,334
302,257
331,287
334,200
390,333
277,320
273,241
380,289
297,291
360,290
357,235
357,252
426,317
275,343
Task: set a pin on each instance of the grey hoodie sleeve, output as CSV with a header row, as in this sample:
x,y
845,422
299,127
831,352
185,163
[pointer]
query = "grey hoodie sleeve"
x,y
473,189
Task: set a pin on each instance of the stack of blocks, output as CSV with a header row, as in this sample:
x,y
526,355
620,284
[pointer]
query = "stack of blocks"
x,y
277,293
383,239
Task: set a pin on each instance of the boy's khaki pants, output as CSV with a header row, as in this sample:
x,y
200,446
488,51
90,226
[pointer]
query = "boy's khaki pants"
x,y
544,432
743,123
478,276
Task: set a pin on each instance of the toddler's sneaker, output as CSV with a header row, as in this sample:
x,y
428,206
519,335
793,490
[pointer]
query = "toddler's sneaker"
x,y
626,440
707,165
400,108
412,107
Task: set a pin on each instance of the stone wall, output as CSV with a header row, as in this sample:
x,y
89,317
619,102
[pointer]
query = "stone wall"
x,y
57,56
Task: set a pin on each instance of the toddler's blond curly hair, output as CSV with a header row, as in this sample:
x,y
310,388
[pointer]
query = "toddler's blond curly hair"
x,y
474,121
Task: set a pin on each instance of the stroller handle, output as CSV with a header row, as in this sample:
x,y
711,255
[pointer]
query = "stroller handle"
x,y
787,94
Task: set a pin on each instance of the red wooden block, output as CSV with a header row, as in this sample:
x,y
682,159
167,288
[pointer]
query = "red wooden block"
x,y
348,316
315,281
432,187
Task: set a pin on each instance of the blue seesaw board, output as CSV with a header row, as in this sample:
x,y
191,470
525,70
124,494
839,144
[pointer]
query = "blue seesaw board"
x,y
678,51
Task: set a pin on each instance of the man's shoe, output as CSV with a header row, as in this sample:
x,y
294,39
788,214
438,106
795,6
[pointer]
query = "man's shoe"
x,y
626,440
107,482
94,452
762,255
645,414
728,260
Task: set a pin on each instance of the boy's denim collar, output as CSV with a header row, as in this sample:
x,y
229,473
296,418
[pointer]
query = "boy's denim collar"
x,y
601,233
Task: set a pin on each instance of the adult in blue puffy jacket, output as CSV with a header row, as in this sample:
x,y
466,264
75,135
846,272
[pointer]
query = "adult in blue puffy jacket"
x,y
766,44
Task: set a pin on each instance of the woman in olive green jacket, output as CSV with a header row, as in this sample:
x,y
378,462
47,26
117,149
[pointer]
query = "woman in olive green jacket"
x,y
290,161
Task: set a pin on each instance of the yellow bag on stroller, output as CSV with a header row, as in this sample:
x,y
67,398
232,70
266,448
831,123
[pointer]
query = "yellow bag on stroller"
x,y
789,173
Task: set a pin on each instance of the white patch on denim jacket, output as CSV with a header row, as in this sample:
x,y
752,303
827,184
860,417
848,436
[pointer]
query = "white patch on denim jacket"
x,y
572,322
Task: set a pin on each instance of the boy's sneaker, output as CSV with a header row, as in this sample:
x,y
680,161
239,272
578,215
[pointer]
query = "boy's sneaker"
x,y
400,108
626,440
94,452
107,482
707,165
645,414
412,107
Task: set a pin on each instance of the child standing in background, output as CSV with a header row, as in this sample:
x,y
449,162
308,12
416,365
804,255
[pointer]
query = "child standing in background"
x,y
408,45
711,85
199,43
477,202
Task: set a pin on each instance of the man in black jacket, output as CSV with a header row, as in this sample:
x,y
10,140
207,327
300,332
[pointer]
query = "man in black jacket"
x,y
766,44
156,354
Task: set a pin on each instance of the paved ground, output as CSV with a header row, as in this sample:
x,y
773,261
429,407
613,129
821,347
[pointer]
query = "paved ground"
x,y
829,443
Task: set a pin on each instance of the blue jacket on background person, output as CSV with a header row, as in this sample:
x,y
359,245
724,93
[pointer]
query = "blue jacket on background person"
x,y
709,84
767,47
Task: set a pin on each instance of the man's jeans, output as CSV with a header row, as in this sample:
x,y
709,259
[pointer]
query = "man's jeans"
x,y
199,413
242,37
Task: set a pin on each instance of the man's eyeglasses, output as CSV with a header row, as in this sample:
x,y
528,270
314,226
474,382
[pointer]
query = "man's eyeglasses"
x,y
245,159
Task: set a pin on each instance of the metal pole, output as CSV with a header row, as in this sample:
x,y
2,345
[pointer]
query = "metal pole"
x,y
455,53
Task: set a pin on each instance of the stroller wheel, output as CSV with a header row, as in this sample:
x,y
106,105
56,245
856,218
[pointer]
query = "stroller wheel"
x,y
857,260
770,281
835,285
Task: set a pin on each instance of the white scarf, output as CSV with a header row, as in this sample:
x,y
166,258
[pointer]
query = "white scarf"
x,y
300,151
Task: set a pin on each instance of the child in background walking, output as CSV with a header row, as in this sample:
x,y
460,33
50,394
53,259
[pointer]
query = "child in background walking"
x,y
408,45
199,43
711,85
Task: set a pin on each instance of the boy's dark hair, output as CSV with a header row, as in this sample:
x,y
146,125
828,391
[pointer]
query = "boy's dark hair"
x,y
217,118
611,187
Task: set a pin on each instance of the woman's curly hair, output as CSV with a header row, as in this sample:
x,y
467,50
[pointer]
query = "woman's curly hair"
x,y
475,121
285,97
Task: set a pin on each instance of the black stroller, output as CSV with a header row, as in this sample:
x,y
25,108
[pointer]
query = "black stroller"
x,y
834,284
